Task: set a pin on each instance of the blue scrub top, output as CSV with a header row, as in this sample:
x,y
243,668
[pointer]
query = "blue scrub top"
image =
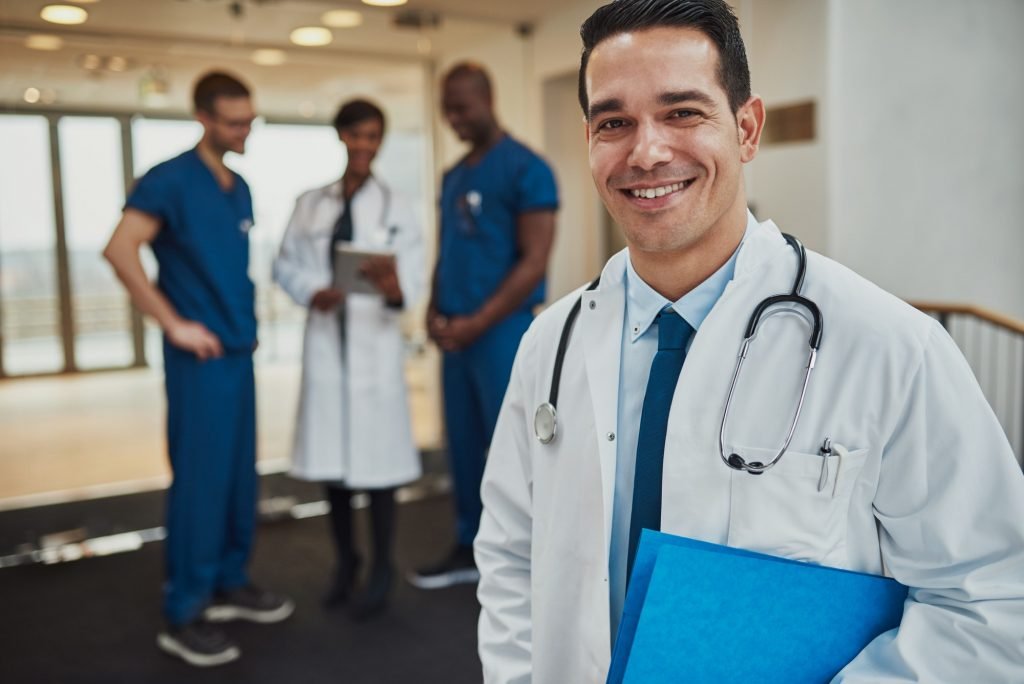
x,y
203,246
480,206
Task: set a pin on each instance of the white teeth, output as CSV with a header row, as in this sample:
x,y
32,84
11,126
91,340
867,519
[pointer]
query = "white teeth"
x,y
651,193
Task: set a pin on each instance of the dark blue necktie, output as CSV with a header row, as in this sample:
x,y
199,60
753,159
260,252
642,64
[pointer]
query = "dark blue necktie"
x,y
342,228
673,334
342,233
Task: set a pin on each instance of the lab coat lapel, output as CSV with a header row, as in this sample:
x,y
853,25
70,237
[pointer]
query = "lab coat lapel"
x,y
600,327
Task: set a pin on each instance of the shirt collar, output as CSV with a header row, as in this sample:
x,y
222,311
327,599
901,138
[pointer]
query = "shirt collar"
x,y
643,303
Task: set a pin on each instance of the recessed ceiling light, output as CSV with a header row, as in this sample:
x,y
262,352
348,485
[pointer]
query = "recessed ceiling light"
x,y
41,41
64,14
31,95
385,3
268,57
311,36
342,18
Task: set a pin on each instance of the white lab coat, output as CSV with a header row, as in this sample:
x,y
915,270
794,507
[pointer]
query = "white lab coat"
x,y
930,494
353,420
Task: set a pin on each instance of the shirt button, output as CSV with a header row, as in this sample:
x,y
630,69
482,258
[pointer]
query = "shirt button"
x,y
593,304
610,436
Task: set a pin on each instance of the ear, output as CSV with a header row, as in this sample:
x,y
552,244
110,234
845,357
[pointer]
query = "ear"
x,y
749,124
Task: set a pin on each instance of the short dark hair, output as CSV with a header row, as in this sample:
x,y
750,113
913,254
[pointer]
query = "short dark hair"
x,y
713,18
357,111
473,72
214,84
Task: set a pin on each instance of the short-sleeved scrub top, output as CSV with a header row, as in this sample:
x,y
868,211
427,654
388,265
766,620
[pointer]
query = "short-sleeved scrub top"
x,y
480,205
203,246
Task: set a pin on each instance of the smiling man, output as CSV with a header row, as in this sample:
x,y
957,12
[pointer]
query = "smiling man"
x,y
920,482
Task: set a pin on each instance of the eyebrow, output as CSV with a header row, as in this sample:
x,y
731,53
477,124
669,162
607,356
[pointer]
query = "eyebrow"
x,y
673,97
676,97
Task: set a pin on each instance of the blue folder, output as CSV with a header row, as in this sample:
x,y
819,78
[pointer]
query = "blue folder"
x,y
699,612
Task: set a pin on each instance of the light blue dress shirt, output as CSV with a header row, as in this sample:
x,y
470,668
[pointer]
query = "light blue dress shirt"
x,y
639,345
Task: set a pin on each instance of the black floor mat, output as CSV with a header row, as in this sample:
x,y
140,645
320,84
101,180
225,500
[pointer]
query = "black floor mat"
x,y
96,620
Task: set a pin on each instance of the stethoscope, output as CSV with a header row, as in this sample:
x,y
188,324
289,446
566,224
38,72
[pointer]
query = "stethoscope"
x,y
545,419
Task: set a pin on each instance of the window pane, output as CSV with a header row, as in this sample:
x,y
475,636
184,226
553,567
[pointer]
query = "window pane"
x,y
93,184
29,311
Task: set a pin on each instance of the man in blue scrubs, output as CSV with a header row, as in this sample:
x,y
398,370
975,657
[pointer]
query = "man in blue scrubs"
x,y
196,214
497,226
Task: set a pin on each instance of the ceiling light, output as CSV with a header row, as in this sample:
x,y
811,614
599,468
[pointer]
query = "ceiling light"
x,y
117,63
311,36
268,57
342,18
41,41
64,14
385,3
31,95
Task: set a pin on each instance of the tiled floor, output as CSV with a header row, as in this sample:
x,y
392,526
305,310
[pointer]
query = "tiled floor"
x,y
70,437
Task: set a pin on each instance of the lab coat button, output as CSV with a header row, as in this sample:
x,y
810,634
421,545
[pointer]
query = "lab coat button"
x,y
593,304
610,436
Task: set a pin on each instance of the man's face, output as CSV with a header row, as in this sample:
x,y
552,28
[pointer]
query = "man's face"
x,y
362,140
466,108
666,151
228,126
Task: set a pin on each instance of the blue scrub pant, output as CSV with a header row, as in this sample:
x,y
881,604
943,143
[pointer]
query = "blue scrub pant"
x,y
474,382
211,505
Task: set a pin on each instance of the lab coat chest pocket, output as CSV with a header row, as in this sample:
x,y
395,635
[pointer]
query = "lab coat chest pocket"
x,y
790,511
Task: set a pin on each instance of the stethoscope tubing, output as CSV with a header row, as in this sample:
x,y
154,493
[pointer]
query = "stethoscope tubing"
x,y
546,416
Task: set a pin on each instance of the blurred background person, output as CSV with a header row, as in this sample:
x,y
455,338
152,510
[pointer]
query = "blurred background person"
x,y
354,428
196,214
498,208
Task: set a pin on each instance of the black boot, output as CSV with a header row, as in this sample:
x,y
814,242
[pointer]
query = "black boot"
x,y
344,580
374,598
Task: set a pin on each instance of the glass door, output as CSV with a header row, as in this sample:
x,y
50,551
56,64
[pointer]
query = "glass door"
x,y
31,341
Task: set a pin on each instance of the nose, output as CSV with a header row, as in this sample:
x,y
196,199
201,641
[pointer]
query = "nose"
x,y
651,147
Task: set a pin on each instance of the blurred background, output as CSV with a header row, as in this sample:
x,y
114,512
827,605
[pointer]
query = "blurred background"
x,y
894,145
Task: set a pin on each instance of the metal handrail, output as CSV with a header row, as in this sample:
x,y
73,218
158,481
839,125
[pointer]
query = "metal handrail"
x,y
995,318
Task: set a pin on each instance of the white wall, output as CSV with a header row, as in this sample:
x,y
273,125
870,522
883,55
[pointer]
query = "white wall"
x,y
927,167
786,50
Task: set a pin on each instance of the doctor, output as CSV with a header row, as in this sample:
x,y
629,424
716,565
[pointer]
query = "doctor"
x,y
927,492
354,429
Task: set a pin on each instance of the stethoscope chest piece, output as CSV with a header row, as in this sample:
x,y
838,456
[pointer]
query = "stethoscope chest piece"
x,y
545,423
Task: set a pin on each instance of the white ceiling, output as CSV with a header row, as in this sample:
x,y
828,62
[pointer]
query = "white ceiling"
x,y
177,39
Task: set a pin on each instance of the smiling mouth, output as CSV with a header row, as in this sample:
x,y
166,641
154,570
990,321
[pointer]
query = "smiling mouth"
x,y
661,191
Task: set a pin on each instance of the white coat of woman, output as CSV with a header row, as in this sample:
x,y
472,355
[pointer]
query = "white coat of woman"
x,y
354,429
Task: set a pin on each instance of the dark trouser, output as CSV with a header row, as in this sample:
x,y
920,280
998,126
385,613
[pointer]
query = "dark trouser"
x,y
211,504
475,380
382,526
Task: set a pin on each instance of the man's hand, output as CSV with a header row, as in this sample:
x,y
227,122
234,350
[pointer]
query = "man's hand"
x,y
326,299
380,271
458,332
194,337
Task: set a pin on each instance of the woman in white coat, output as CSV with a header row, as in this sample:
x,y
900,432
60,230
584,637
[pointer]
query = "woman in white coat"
x,y
354,430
